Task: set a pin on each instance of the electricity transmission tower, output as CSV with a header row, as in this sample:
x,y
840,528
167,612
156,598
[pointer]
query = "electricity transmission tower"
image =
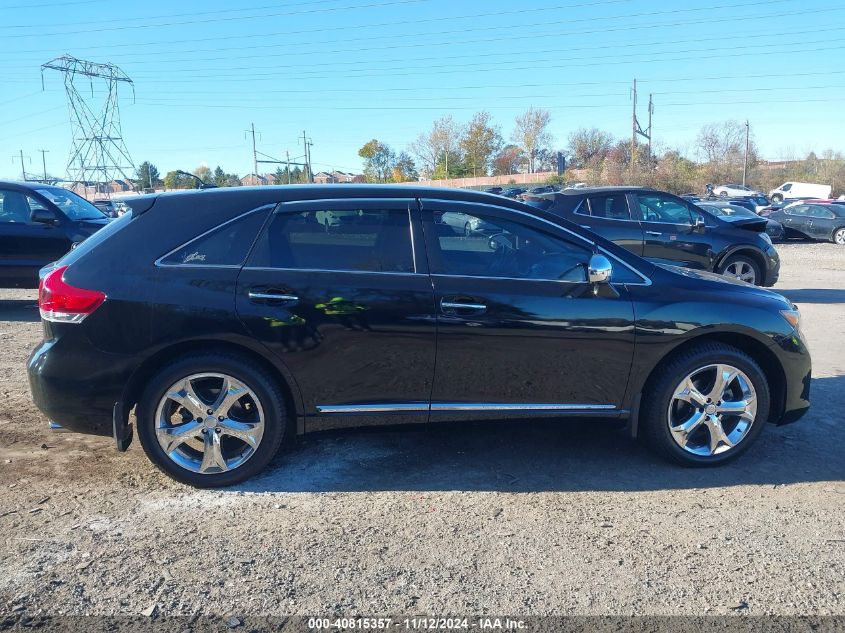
x,y
98,154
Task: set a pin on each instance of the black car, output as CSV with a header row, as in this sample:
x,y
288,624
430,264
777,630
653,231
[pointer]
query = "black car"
x,y
38,224
496,190
814,221
732,213
229,319
665,228
513,192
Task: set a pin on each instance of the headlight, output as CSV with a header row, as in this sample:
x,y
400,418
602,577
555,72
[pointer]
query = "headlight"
x,y
793,317
766,238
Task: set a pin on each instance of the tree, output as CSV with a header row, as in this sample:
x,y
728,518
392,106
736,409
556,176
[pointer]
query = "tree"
x,y
480,142
203,173
586,146
379,161
439,147
404,170
507,160
531,133
219,176
722,146
175,180
148,176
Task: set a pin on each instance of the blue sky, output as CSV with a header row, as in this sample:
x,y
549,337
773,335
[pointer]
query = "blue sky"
x,y
350,70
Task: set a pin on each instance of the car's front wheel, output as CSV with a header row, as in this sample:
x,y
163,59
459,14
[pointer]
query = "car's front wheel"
x,y
839,236
742,268
705,406
211,420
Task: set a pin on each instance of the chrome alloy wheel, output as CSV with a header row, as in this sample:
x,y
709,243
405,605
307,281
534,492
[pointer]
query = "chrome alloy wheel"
x,y
839,237
741,270
209,423
712,410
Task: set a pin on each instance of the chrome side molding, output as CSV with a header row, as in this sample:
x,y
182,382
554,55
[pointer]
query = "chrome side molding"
x,y
439,407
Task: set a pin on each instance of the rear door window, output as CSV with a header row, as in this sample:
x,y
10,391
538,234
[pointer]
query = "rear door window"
x,y
609,207
350,240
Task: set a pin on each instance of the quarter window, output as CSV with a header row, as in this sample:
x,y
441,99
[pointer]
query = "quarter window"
x,y
227,245
366,240
485,246
657,208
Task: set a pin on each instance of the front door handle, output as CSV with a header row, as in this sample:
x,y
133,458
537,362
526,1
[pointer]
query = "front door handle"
x,y
267,297
655,233
454,305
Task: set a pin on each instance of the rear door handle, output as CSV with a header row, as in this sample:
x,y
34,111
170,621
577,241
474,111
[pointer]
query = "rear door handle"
x,y
266,297
655,233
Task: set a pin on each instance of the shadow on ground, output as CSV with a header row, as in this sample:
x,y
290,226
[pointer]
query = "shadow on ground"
x,y
549,455
19,310
814,295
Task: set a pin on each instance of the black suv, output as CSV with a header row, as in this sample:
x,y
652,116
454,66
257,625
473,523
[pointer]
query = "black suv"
x,y
230,318
38,224
665,228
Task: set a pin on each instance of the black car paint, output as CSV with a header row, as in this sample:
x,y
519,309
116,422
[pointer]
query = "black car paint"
x,y
814,224
540,342
27,247
703,248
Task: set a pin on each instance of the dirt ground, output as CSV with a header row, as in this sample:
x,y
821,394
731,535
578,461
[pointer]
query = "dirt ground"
x,y
531,518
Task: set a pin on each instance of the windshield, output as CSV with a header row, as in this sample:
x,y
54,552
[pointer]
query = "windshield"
x,y
72,205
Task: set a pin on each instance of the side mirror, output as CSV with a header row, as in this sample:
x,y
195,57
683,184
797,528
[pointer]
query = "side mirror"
x,y
599,269
44,216
699,224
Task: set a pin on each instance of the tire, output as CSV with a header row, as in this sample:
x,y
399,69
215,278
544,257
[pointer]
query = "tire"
x,y
723,194
661,409
742,267
838,236
777,198
467,230
258,415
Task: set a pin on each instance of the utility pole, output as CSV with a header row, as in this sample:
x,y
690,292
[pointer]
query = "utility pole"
x,y
254,152
745,162
287,166
307,143
636,128
44,161
23,171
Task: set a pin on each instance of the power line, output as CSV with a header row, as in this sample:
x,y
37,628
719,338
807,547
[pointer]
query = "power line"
x,y
52,4
348,28
263,16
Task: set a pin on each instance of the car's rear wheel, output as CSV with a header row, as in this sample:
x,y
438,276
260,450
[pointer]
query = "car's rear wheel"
x,y
723,194
839,236
742,268
211,420
705,406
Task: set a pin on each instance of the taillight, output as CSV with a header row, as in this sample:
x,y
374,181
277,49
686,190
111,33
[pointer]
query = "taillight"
x,y
61,302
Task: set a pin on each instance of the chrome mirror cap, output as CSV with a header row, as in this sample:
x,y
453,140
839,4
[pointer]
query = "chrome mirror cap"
x,y
599,269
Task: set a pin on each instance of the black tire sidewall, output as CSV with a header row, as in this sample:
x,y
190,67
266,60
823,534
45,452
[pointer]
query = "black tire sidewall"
x,y
658,397
262,385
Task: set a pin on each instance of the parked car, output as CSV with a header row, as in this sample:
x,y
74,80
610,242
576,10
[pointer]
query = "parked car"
x,y
38,224
731,212
668,229
799,190
814,221
108,207
513,192
494,190
734,191
228,330
754,203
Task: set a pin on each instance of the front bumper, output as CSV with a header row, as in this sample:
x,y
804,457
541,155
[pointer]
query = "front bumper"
x,y
797,368
75,385
772,272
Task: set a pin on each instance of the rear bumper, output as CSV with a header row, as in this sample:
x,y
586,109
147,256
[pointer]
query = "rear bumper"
x,y
75,385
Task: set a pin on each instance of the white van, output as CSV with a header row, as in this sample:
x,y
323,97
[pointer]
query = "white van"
x,y
800,190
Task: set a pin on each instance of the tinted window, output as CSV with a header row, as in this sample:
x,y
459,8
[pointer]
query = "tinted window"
x,y
800,209
820,212
368,240
227,245
611,207
72,205
657,208
14,207
484,246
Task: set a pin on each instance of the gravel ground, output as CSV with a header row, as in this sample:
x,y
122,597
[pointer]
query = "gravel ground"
x,y
540,518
